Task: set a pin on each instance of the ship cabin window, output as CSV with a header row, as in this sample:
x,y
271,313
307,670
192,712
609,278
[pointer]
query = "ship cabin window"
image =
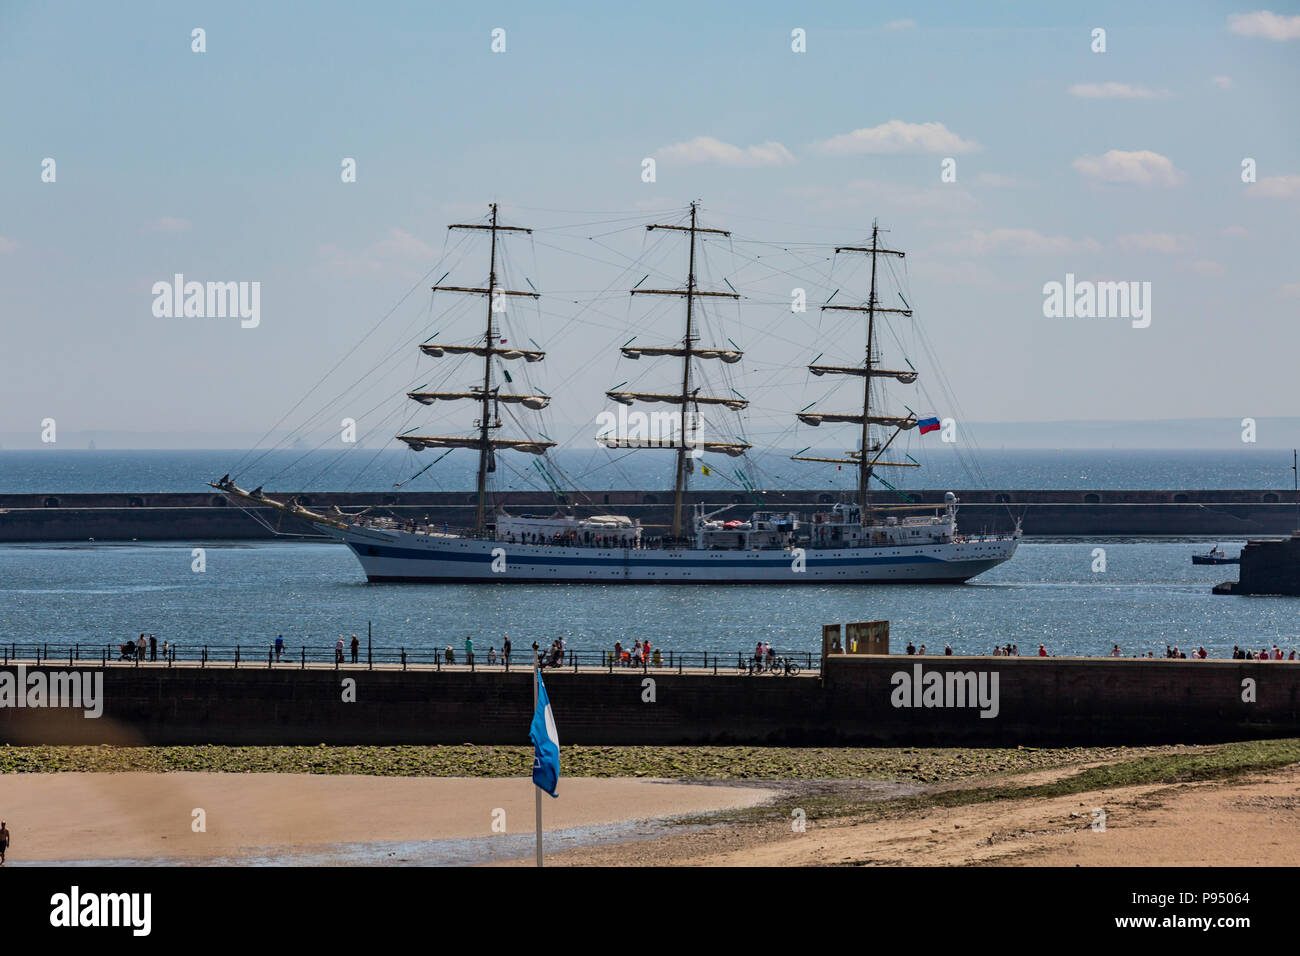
x,y
1091,499
1270,497
649,500
1180,497
824,499
51,502
136,503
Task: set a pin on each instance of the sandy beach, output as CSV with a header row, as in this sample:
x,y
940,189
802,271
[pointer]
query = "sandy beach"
x,y
143,816
1254,821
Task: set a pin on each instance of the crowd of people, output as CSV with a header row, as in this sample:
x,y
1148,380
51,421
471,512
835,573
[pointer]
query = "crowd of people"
x,y
639,654
643,653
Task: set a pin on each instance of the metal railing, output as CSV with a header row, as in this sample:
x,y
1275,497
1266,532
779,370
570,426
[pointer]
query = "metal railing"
x,y
303,656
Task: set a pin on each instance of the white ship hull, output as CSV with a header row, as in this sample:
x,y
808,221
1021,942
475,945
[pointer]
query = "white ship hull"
x,y
406,556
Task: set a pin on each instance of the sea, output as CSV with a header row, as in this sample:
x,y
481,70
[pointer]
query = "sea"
x,y
1074,596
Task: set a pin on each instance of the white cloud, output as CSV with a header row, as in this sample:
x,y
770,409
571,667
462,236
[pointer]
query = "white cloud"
x,y
1222,82
1236,232
1202,267
7,245
1263,23
706,149
1275,187
1165,243
1141,168
395,252
1116,91
899,25
866,193
897,137
1020,242
1290,290
170,224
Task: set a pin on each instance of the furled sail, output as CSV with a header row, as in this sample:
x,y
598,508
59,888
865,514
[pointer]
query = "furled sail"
x,y
730,356
810,418
734,449
907,377
421,442
627,398
857,461
437,351
535,402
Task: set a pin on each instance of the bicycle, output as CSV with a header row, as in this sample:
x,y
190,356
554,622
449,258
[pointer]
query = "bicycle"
x,y
783,667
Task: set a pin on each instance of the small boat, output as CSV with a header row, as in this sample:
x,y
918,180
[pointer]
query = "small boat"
x,y
1215,555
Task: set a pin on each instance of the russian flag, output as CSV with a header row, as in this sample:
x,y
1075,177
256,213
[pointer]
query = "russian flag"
x,y
928,425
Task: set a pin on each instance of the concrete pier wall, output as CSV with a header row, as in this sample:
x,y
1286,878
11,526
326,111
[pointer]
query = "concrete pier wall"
x,y
1033,702
209,516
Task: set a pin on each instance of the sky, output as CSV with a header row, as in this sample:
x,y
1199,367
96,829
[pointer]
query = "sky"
x,y
226,166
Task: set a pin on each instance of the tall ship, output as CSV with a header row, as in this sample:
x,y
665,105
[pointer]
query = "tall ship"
x,y
853,541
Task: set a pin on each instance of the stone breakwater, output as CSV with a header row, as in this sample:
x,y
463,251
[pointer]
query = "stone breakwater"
x,y
860,700
210,516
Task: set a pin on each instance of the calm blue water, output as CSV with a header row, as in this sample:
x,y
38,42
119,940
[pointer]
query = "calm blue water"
x,y
49,471
1149,595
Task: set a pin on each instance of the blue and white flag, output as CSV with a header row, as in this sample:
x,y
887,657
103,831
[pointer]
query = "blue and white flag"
x,y
546,743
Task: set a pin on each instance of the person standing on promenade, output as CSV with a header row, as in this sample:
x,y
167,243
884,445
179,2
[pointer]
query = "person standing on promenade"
x,y
505,650
140,645
153,648
279,647
356,645
469,650
338,651
947,650
165,645
997,650
911,648
1042,650
492,654
4,841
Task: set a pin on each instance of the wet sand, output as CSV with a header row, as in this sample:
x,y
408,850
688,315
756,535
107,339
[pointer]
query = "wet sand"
x,y
1251,822
149,816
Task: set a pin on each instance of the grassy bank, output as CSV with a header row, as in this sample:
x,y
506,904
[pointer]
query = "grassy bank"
x,y
921,765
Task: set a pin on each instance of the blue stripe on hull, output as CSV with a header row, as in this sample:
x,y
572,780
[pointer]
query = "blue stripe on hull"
x,y
418,554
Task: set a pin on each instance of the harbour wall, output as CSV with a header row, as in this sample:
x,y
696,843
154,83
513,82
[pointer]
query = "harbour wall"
x,y
1030,702
211,516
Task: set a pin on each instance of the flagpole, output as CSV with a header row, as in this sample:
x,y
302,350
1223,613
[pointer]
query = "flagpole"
x,y
537,791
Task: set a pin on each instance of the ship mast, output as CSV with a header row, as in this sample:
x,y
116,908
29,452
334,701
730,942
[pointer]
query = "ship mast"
x,y
488,397
687,352
868,371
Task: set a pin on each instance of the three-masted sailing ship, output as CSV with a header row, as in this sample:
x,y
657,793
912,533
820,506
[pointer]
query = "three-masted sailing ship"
x,y
852,541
